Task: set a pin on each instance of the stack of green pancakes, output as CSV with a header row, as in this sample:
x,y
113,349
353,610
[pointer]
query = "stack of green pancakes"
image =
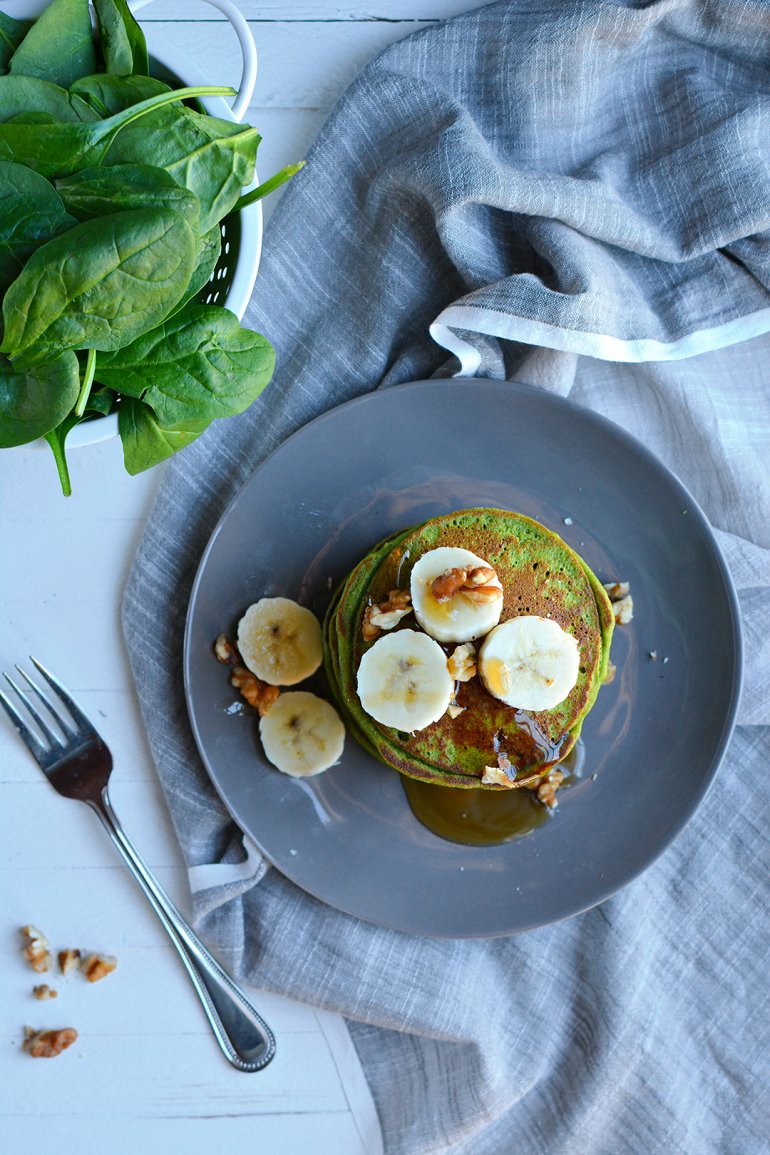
x,y
541,578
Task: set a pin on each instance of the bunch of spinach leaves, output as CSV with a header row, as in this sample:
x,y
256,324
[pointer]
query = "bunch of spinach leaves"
x,y
113,187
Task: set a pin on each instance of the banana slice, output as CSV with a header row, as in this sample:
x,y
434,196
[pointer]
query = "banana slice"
x,y
403,681
529,663
302,734
280,641
466,614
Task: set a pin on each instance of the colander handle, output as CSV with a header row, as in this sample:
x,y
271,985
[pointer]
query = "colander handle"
x,y
248,49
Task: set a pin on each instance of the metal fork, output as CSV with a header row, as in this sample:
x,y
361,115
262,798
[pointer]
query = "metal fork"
x,y
77,763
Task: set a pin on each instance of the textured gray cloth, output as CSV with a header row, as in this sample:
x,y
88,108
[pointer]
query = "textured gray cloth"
x,y
573,195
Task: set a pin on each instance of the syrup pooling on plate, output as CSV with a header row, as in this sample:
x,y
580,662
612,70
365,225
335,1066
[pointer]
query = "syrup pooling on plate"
x,y
483,817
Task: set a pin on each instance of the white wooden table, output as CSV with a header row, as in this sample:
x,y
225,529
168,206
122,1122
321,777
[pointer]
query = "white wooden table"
x,y
145,1072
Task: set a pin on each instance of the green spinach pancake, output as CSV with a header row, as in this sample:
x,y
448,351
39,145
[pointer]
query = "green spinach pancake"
x,y
467,651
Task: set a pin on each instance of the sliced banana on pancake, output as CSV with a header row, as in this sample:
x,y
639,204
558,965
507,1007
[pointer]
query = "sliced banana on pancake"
x,y
457,596
302,734
280,641
529,663
403,681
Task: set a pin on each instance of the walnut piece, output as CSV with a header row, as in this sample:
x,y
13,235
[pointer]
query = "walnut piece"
x,y
387,614
447,584
481,575
461,663
502,774
622,602
546,789
48,1044
494,775
69,960
481,594
623,610
477,584
36,948
226,652
43,991
98,966
256,692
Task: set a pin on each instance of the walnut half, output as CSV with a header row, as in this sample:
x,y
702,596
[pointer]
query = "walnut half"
x,y
48,1044
477,584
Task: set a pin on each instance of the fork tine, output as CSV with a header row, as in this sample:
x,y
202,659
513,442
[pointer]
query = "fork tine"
x,y
80,719
35,747
51,706
52,737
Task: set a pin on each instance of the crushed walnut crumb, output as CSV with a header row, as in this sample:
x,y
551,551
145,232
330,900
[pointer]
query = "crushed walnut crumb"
x,y
43,991
48,1044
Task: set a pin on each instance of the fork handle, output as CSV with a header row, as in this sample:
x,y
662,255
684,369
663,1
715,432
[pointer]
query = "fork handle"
x,y
242,1033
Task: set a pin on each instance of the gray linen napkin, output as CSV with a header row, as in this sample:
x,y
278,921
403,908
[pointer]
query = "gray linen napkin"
x,y
574,195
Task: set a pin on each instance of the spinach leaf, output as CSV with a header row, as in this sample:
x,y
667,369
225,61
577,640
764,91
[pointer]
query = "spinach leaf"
x,y
99,285
32,403
145,443
209,248
31,213
215,158
12,32
33,118
101,402
116,93
60,149
198,365
107,189
123,45
59,46
25,94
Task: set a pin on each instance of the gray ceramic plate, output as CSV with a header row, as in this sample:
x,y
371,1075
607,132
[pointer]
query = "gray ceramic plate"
x,y
652,743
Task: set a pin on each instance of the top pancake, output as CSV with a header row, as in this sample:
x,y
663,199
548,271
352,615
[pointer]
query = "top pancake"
x,y
540,575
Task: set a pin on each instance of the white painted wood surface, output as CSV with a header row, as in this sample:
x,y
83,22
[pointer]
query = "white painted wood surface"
x,y
145,1073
